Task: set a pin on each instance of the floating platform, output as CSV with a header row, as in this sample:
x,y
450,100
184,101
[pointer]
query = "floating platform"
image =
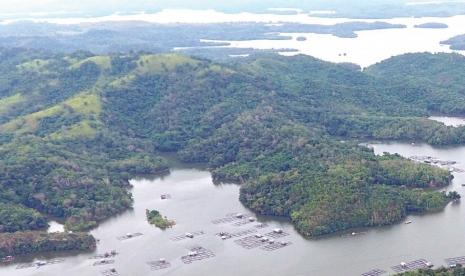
x,y
276,235
159,264
105,255
455,261
40,263
275,246
197,253
374,272
261,225
103,262
110,272
243,222
231,217
251,242
129,236
414,265
227,236
190,235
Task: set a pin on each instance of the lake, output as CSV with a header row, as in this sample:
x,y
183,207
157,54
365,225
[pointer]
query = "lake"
x,y
449,121
369,47
195,201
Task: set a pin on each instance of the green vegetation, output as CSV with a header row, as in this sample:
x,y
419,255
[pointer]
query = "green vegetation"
x,y
457,271
19,218
9,102
12,244
287,128
155,218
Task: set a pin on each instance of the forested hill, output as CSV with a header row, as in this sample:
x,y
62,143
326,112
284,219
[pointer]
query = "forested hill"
x,y
75,128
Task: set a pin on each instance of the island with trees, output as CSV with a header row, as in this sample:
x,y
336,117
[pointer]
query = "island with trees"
x,y
154,217
432,25
456,42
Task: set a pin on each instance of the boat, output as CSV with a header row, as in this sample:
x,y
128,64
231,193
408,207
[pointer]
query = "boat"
x,y
408,222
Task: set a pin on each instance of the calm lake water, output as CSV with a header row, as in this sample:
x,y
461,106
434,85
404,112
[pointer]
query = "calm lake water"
x,y
196,201
369,47
449,121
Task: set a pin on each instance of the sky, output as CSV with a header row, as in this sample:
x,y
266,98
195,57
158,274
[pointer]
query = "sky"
x,y
108,6
18,8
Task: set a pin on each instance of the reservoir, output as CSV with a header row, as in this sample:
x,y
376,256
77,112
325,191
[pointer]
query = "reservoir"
x,y
195,201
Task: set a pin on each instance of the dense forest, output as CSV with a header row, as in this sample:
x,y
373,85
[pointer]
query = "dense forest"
x,y
12,244
75,128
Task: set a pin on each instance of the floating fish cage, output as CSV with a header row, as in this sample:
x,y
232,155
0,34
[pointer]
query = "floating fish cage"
x,y
243,222
261,241
414,265
40,263
103,262
251,242
226,235
455,261
374,272
275,245
105,255
232,217
129,236
159,264
261,225
110,272
277,233
197,253
189,235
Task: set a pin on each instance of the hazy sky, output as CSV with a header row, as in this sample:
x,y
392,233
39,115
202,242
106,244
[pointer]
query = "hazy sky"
x,y
29,6
111,6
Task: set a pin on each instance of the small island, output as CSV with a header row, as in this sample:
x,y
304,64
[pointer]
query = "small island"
x,y
154,217
432,25
456,42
